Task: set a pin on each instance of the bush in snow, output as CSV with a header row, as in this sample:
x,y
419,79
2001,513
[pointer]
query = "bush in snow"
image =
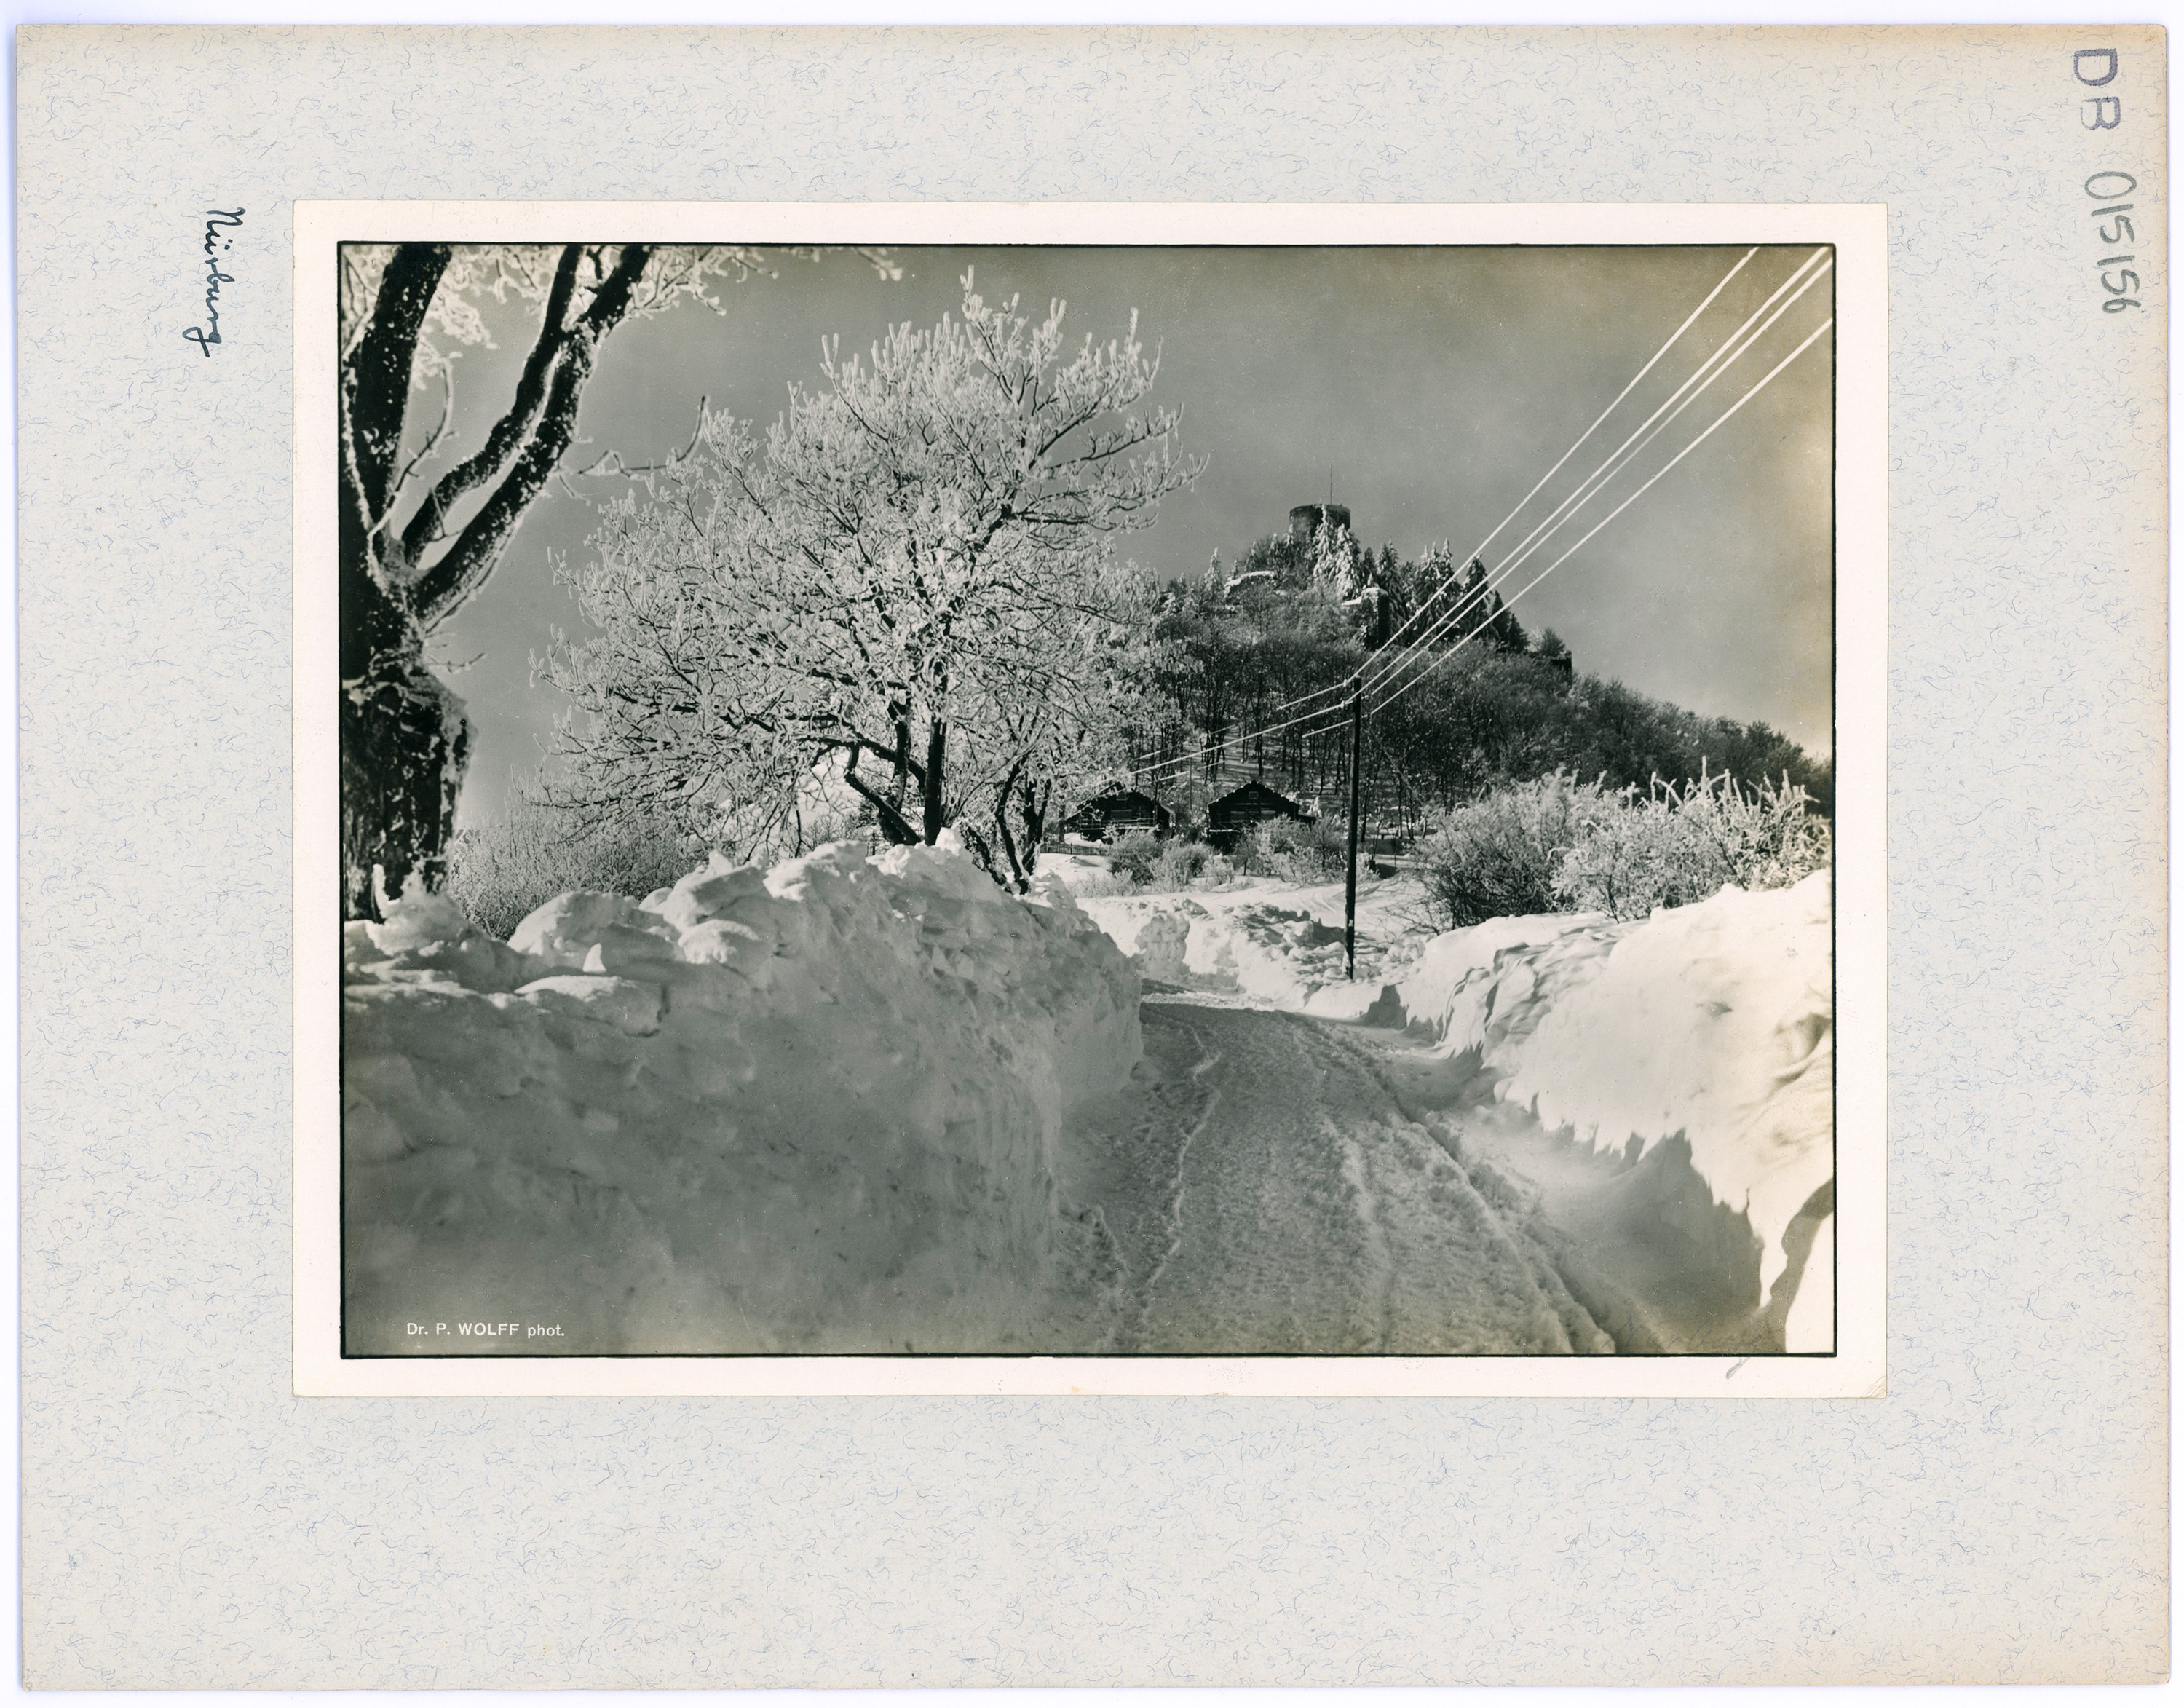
x,y
1084,879
1132,855
1499,856
498,874
1184,865
1138,859
1558,846
1674,847
1297,853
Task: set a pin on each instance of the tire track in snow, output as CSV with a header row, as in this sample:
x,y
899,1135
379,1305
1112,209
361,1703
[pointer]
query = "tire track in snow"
x,y
1502,1221
1277,1198
1379,1280
1208,1060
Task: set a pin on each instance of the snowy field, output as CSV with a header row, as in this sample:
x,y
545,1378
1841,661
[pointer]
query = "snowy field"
x,y
872,1105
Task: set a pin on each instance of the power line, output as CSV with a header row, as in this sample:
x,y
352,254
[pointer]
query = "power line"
x,y
1152,772
1138,767
1724,355
1575,442
1629,449
1811,339
1596,482
1618,510
1599,477
1341,687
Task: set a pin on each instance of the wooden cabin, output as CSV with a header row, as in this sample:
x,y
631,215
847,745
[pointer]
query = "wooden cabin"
x,y
1235,812
1118,810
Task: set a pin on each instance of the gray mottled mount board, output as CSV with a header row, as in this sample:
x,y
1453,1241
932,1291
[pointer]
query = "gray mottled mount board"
x,y
2000,1516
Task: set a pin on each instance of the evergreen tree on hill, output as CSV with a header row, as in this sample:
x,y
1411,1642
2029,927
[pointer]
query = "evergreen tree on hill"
x,y
1487,617
1286,556
1549,649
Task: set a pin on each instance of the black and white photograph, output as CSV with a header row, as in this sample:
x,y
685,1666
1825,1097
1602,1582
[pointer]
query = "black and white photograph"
x,y
938,857
1088,801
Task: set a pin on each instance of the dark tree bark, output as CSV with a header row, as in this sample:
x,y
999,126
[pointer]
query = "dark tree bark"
x,y
404,740
893,825
936,766
1036,798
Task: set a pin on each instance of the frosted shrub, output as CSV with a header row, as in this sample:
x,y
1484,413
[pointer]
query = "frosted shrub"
x,y
1769,839
1499,854
1674,847
1626,862
498,874
1085,885
1294,851
1132,855
1187,865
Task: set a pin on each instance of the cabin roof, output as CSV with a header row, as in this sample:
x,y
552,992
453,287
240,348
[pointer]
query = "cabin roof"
x,y
1255,792
1120,797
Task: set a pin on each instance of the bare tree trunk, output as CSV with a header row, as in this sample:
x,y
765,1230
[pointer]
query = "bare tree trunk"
x,y
404,740
1035,802
1020,863
403,747
982,851
936,764
893,825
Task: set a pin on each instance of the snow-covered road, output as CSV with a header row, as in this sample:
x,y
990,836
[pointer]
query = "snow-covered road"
x,y
1556,1133
832,1108
1264,1193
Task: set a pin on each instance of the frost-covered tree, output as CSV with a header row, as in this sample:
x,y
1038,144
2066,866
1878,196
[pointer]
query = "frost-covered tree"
x,y
420,529
1425,590
1338,562
1060,714
1485,616
907,581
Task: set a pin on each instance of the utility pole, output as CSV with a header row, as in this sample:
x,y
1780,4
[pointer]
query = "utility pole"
x,y
1350,889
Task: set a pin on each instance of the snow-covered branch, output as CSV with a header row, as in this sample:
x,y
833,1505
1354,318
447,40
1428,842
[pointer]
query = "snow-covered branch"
x,y
910,566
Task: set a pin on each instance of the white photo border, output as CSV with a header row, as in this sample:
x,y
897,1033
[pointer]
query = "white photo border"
x,y
1859,234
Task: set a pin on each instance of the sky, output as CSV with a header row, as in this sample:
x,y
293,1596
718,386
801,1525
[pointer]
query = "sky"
x,y
1434,386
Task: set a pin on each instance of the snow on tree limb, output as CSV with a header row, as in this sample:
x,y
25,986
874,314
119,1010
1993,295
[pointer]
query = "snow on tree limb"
x,y
407,308
911,565
509,431
405,311
375,378
441,589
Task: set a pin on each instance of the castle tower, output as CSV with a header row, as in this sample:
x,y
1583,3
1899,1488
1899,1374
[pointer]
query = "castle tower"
x,y
1305,519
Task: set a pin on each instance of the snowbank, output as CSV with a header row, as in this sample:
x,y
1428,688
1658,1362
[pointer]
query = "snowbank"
x,y
1280,945
809,1110
1713,1021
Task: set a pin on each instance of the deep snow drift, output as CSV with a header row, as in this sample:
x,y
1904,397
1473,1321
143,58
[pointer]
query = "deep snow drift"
x,y
1713,1021
1280,945
813,1109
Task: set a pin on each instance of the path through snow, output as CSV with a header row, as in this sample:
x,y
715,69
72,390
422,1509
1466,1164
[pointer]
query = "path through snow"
x,y
1265,1193
1617,1133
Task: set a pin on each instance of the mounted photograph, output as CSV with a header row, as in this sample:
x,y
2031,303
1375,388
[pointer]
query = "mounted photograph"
x,y
1130,800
